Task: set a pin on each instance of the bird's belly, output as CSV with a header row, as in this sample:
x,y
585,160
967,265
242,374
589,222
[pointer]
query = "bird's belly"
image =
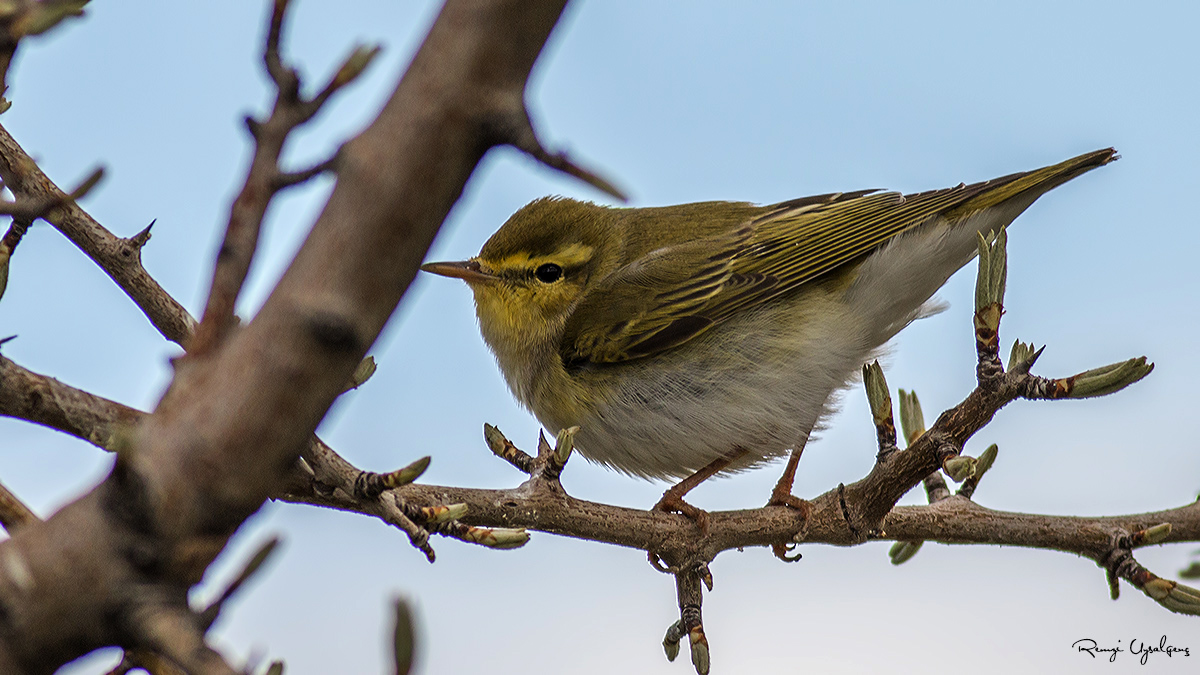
x,y
759,383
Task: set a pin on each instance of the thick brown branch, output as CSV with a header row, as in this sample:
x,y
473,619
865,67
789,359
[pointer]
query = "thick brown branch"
x,y
200,465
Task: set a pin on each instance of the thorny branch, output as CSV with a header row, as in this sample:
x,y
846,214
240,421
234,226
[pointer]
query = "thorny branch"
x,y
846,515
128,521
542,505
189,474
119,257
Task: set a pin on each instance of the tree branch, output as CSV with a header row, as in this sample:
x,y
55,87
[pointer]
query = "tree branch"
x,y
120,258
197,467
264,178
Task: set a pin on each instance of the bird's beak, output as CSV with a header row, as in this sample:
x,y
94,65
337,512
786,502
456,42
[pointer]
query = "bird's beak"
x,y
467,270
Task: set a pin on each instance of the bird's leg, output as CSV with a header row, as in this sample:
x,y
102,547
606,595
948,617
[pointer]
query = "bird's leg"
x,y
672,499
782,494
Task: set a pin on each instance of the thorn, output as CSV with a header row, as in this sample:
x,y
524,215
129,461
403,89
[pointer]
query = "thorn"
x,y
139,240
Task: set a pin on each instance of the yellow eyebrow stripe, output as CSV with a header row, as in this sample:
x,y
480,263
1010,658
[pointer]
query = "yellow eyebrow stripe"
x,y
575,254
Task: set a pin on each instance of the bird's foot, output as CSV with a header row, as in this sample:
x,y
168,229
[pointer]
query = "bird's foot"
x,y
672,502
782,496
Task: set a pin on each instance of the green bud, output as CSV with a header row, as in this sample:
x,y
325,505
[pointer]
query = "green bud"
x,y
1108,379
993,270
700,657
986,459
1023,356
1156,534
912,419
564,443
671,640
1174,596
877,392
366,368
408,474
403,637
1158,588
4,256
959,468
355,64
1192,571
497,537
903,551
436,515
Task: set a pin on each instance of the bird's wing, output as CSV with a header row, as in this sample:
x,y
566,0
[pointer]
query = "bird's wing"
x,y
666,297
653,303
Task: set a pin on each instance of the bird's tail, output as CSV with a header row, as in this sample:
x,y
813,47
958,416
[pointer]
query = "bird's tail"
x,y
1023,188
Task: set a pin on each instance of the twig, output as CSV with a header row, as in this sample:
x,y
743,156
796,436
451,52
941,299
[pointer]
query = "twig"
x,y
331,482
119,258
264,178
511,125
29,17
14,514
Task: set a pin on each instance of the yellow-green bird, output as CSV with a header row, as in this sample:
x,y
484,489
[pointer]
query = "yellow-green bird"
x,y
704,338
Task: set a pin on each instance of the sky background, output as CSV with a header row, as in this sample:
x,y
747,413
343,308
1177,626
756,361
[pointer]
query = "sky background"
x,y
675,102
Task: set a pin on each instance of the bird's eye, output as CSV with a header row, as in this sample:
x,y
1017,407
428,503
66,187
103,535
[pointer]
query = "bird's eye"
x,y
548,273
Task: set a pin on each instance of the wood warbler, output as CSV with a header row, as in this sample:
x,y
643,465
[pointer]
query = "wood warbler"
x,y
710,337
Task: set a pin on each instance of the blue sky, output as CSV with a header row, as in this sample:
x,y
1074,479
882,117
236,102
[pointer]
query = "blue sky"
x,y
675,103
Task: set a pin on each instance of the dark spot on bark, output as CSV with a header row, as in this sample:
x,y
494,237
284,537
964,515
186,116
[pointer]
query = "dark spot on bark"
x,y
334,333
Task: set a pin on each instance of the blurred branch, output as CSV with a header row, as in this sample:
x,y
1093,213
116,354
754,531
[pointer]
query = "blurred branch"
x,y
264,178
14,514
234,420
20,18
